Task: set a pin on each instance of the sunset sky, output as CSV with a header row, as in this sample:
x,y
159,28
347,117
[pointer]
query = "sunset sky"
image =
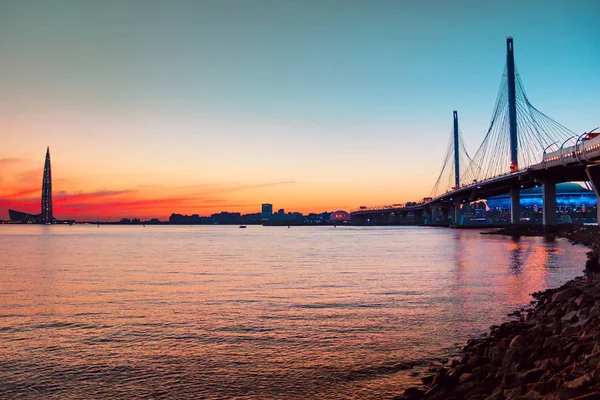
x,y
153,107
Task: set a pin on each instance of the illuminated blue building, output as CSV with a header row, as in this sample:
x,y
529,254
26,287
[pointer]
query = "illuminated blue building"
x,y
569,196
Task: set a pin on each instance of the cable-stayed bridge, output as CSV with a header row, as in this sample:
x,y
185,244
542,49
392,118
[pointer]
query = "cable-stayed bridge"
x,y
522,148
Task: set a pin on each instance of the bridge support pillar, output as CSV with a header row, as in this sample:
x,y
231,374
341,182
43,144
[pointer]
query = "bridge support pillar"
x,y
549,203
515,204
404,216
433,215
593,173
384,218
425,217
457,212
445,212
358,219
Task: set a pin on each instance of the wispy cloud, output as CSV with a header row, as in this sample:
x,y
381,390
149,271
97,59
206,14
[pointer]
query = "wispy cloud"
x,y
64,196
20,193
4,162
143,201
30,177
7,170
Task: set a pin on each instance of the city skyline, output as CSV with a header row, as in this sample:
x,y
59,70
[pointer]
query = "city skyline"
x,y
46,216
225,106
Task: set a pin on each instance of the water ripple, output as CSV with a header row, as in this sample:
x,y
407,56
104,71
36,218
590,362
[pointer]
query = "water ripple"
x,y
212,313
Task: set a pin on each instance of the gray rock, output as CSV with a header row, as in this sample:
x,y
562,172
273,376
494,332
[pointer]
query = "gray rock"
x,y
576,387
594,362
518,342
413,393
510,356
495,355
594,311
530,376
466,377
590,396
569,317
565,295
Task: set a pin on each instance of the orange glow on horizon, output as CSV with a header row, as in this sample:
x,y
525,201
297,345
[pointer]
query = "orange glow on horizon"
x,y
161,201
123,165
107,184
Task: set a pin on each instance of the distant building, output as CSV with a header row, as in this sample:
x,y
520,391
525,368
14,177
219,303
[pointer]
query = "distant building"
x,y
281,218
339,216
267,210
226,218
188,219
314,218
46,216
255,218
18,216
569,196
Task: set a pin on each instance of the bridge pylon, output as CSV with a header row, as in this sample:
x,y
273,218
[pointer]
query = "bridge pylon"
x,y
456,158
512,104
456,152
515,192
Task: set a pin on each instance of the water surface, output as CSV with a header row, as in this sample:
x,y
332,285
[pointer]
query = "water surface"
x,y
217,312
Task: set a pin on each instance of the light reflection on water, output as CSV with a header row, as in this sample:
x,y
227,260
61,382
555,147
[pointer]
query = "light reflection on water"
x,y
263,312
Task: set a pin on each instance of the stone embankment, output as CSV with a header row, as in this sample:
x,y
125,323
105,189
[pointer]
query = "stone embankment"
x,y
551,350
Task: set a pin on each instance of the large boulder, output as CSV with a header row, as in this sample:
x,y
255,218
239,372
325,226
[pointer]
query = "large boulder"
x,y
518,342
565,295
576,387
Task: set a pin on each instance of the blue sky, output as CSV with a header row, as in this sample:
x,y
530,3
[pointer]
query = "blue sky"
x,y
330,95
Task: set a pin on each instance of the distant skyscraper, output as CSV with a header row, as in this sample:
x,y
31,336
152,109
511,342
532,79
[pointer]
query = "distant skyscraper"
x,y
267,210
46,215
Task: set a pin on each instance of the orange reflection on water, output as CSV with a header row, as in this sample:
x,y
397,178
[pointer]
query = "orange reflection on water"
x,y
219,312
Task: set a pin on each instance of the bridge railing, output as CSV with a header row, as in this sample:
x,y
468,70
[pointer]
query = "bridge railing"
x,y
378,208
387,207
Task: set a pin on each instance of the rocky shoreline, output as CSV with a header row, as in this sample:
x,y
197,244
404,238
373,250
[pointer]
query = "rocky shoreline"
x,y
550,351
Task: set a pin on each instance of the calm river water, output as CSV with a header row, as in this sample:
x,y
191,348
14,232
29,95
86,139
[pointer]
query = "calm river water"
x,y
218,312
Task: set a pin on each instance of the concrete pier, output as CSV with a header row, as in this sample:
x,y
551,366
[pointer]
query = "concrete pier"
x,y
515,205
549,203
593,173
456,214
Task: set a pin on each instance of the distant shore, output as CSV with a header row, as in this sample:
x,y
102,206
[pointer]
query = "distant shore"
x,y
550,351
167,223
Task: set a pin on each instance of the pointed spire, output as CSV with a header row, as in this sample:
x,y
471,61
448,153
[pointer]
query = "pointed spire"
x,y
46,214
